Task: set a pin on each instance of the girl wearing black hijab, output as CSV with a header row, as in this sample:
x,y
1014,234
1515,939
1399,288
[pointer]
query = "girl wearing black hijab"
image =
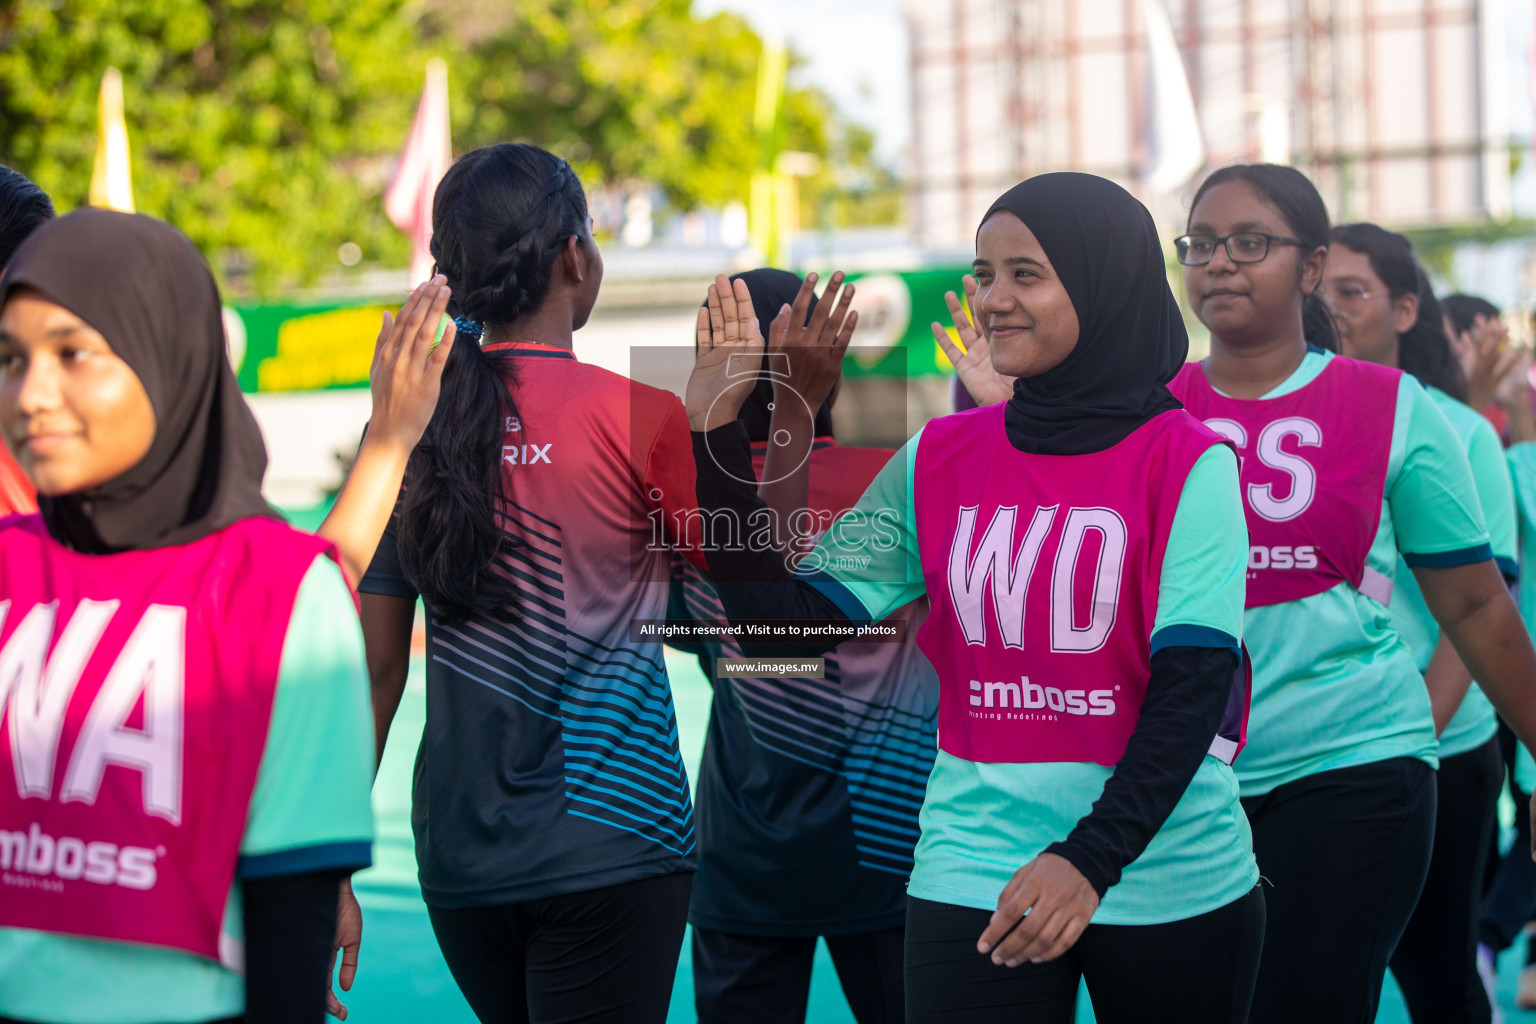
x,y
1083,549
190,754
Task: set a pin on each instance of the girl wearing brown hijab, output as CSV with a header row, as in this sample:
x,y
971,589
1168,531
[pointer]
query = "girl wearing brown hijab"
x,y
183,674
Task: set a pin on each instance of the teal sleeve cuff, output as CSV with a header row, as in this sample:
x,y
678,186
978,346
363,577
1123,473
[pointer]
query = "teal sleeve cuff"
x,y
1182,635
1509,567
1450,559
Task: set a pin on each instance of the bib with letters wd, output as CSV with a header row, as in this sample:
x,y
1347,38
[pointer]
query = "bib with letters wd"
x,y
1314,468
1043,572
137,690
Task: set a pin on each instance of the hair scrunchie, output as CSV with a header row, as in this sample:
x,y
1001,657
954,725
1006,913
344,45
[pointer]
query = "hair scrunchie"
x,y
468,328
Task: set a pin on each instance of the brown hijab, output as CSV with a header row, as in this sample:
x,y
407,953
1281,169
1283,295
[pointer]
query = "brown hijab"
x,y
143,285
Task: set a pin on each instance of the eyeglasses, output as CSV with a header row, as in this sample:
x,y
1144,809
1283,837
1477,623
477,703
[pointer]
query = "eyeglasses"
x,y
1346,298
1243,247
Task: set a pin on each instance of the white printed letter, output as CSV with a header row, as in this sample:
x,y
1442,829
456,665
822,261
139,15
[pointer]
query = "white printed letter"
x,y
1261,497
38,699
1066,635
151,664
969,577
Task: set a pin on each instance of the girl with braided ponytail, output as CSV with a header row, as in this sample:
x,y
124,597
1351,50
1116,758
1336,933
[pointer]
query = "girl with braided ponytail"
x,y
554,830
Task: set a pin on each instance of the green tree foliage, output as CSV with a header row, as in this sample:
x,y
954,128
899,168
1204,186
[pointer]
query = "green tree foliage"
x,y
633,92
266,129
256,126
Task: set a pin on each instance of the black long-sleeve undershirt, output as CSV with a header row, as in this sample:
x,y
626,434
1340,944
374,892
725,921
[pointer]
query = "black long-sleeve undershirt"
x,y
751,584
290,923
1186,695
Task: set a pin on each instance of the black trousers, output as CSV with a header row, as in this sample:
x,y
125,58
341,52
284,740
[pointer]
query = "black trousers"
x,y
1510,899
1197,971
607,956
1345,853
1436,959
756,979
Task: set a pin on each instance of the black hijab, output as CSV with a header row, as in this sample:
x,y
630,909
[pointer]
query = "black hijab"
x,y
144,286
1131,338
771,290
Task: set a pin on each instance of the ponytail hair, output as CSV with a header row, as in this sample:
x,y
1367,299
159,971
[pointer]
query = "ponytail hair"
x,y
1423,349
1296,199
500,219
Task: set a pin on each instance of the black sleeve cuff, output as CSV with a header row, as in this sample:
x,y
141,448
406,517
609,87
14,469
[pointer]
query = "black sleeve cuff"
x,y
1100,876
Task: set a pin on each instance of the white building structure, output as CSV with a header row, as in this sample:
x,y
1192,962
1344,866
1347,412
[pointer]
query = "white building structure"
x,y
1398,109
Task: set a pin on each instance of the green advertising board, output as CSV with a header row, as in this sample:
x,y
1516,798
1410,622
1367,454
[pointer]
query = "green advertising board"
x,y
316,346
304,346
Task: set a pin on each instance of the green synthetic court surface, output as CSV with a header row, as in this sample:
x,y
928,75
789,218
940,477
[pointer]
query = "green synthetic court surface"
x,y
402,977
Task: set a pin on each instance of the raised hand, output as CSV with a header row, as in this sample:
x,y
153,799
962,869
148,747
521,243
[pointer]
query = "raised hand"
x,y
1514,397
730,354
406,377
973,362
814,351
1486,358
814,354
407,370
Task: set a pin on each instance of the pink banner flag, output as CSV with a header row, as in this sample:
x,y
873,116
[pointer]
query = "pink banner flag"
x,y
423,162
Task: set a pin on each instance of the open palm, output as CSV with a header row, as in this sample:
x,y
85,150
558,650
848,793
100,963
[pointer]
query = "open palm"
x,y
973,362
730,353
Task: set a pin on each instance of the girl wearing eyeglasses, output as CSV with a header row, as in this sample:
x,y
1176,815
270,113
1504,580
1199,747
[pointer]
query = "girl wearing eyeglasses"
x,y
1345,466
1387,314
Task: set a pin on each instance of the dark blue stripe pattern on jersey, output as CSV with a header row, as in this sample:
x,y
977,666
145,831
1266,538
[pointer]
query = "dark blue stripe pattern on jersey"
x,y
549,760
826,773
617,728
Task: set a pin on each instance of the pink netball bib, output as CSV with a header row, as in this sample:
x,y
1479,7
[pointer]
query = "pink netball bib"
x,y
137,690
1314,468
1043,574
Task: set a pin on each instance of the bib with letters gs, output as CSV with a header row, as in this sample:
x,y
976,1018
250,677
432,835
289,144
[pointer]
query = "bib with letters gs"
x,y
1314,469
1043,573
137,690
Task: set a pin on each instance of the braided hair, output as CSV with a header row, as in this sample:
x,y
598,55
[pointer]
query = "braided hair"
x,y
500,219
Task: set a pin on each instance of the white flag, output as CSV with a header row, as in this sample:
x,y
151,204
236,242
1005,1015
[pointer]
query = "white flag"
x,y
1175,148
423,162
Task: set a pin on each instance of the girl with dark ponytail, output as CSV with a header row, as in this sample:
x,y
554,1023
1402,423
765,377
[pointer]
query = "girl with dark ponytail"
x,y
1349,471
553,824
1387,314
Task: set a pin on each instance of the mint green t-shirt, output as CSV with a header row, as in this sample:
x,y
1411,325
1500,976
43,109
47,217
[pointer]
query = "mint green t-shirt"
x,y
1335,685
981,822
1474,722
310,811
1521,459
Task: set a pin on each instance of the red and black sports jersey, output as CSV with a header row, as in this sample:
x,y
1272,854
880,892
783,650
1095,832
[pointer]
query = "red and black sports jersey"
x,y
549,763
